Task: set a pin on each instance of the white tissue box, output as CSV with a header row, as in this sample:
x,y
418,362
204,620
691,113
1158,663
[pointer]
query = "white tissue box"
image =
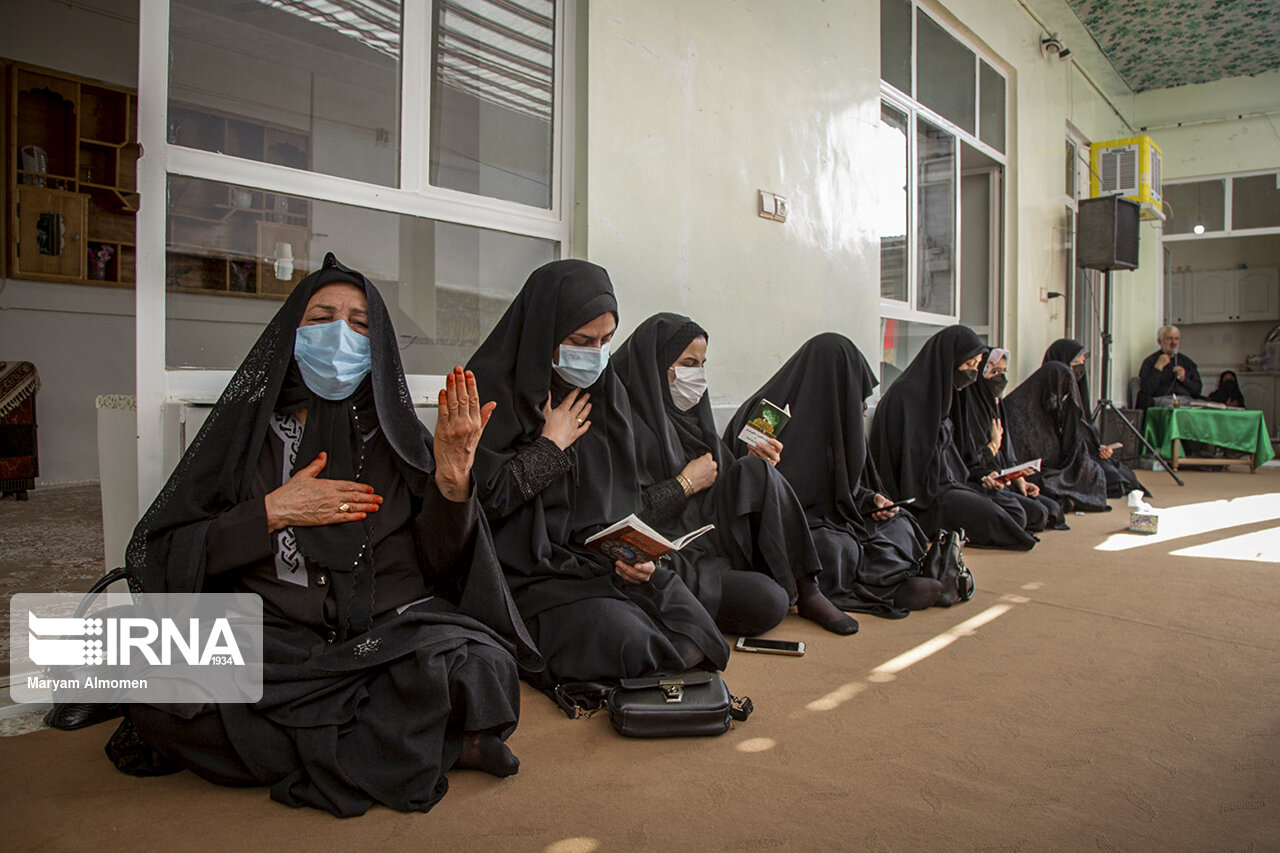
x,y
1144,522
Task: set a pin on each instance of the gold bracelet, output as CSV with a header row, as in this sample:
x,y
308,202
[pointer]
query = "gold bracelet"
x,y
686,484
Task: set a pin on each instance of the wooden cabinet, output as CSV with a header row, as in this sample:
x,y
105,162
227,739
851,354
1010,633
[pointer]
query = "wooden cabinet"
x,y
1260,393
1225,296
71,178
1257,294
1180,300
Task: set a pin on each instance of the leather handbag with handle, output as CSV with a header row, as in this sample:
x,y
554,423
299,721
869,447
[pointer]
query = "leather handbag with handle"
x,y
77,715
944,562
694,704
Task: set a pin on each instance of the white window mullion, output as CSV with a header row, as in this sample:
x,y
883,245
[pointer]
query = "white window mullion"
x,y
435,203
149,291
415,95
562,117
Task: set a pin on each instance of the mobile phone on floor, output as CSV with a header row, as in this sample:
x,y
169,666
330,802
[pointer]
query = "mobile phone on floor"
x,y
770,647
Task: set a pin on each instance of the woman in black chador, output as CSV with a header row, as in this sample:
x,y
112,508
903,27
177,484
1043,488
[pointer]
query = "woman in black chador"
x,y
982,435
1120,477
869,555
389,634
914,448
1044,418
1228,392
556,464
760,558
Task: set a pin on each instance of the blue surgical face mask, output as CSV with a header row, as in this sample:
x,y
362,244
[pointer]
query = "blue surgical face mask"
x,y
582,366
333,359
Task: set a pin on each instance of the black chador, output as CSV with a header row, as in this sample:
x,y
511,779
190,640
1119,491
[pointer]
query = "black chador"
x,y
973,409
914,448
760,558
868,566
1120,477
544,502
385,639
1045,419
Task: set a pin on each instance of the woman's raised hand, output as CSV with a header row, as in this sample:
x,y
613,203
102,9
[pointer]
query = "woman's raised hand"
x,y
997,433
567,422
634,572
307,501
701,472
459,424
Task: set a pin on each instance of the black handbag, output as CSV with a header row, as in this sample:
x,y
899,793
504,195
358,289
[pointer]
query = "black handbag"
x,y
944,562
69,716
695,704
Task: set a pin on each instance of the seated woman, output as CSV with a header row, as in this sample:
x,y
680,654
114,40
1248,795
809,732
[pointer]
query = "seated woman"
x,y
914,448
982,436
869,554
388,632
767,558
1228,392
1044,418
1120,477
557,463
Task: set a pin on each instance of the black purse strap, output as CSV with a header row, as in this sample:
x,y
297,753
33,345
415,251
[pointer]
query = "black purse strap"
x,y
97,589
580,699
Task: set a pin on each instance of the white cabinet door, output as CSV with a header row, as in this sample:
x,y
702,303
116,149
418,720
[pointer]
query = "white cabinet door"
x,y
1181,298
1260,393
1213,296
1257,295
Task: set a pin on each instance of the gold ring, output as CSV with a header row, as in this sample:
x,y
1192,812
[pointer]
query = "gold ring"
x,y
345,508
579,421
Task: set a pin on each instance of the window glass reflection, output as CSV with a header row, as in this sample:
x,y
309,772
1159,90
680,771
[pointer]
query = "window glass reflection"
x,y
936,233
234,252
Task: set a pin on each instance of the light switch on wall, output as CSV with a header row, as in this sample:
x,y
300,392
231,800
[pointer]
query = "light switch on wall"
x,y
773,206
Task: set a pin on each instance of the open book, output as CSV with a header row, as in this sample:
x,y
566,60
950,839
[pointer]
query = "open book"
x,y
633,541
766,421
1017,472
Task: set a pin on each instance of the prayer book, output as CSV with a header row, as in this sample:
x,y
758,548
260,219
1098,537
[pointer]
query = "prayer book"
x,y
1017,472
766,421
633,541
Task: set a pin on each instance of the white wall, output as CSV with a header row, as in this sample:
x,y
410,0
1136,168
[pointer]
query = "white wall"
x,y
694,107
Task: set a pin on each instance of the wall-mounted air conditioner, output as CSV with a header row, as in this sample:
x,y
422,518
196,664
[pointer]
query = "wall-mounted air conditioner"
x,y
1130,167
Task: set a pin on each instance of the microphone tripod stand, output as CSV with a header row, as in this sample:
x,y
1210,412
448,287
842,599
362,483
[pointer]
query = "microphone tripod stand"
x,y
1104,399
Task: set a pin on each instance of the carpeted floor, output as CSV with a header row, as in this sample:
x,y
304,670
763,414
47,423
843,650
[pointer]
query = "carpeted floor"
x,y
1103,692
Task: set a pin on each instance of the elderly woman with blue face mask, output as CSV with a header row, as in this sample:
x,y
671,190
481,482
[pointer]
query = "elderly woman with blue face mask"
x,y
390,641
761,558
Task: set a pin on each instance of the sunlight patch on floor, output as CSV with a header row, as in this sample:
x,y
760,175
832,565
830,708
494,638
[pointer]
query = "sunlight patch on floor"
x,y
1179,522
1260,547
889,670
573,845
757,744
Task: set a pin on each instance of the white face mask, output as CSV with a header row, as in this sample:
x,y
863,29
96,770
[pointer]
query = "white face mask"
x,y
688,387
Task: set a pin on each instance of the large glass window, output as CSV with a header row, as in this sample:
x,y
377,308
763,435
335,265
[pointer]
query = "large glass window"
x,y
1195,207
936,228
492,98
946,78
446,285
302,83
895,44
1255,201
893,174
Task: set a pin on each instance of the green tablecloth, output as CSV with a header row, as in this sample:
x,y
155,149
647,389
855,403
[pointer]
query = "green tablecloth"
x,y
1242,430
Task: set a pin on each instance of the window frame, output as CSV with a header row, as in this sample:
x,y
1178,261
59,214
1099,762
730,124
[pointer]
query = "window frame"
x,y
156,384
907,103
1228,179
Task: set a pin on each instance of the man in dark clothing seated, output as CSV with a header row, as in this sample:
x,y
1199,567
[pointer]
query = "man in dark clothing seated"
x,y
1166,371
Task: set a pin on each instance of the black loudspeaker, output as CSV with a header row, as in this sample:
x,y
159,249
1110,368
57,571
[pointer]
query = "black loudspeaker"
x,y
1107,234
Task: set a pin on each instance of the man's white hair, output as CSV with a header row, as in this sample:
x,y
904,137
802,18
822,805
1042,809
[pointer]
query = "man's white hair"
x,y
1164,330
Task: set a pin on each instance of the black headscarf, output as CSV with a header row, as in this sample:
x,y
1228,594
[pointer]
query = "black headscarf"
x,y
543,535
1045,419
668,438
973,410
904,434
824,384
1228,391
1067,350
